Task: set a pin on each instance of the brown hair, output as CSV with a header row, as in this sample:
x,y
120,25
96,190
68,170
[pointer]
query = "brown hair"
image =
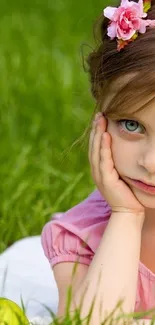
x,y
106,66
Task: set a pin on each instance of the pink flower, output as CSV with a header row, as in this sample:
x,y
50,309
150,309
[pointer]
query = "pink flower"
x,y
127,19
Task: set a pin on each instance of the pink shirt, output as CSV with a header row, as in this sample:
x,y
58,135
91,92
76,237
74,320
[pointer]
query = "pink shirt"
x,y
64,239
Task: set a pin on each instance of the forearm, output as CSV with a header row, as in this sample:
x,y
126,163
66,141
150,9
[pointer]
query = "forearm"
x,y
116,263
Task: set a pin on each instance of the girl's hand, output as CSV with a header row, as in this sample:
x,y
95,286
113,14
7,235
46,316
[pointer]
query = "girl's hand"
x,y
115,191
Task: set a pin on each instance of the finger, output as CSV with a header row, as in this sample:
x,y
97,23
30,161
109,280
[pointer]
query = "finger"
x,y
95,154
100,128
91,138
106,165
99,116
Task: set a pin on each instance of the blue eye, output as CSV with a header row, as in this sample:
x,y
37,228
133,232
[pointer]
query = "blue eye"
x,y
130,125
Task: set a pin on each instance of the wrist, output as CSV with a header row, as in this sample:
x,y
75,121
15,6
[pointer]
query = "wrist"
x,y
136,218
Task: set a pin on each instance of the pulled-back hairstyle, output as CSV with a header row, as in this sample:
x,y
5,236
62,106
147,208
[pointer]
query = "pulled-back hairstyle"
x,y
106,66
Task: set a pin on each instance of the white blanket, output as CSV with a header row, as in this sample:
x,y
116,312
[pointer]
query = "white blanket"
x,y
29,275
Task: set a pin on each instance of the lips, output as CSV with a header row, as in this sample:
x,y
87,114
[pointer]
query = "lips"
x,y
145,183
143,186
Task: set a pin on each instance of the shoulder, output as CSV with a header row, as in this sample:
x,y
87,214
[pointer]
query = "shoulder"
x,y
89,210
83,223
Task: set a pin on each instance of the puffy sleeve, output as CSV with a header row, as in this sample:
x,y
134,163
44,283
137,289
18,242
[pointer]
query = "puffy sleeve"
x,y
74,236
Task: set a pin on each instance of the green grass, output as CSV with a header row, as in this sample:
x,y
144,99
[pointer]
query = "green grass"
x,y
45,105
116,317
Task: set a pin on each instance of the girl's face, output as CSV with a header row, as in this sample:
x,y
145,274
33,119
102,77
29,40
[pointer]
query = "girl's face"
x,y
133,150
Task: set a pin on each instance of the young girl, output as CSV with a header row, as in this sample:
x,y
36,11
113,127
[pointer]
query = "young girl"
x,y
111,234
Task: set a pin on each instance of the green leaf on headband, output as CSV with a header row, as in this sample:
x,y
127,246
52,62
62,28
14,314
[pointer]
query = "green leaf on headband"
x,y
146,5
134,36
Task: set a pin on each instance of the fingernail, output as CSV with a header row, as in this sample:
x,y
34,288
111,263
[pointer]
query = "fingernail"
x,y
97,116
97,121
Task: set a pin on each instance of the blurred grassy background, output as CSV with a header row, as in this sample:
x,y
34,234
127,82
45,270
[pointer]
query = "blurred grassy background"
x,y
45,105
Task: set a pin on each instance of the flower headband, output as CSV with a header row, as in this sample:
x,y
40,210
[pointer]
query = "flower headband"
x,y
127,21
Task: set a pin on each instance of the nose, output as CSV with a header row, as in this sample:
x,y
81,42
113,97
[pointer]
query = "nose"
x,y
148,160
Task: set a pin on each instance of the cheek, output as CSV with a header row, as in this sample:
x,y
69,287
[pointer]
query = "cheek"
x,y
124,151
119,151
124,155
118,146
